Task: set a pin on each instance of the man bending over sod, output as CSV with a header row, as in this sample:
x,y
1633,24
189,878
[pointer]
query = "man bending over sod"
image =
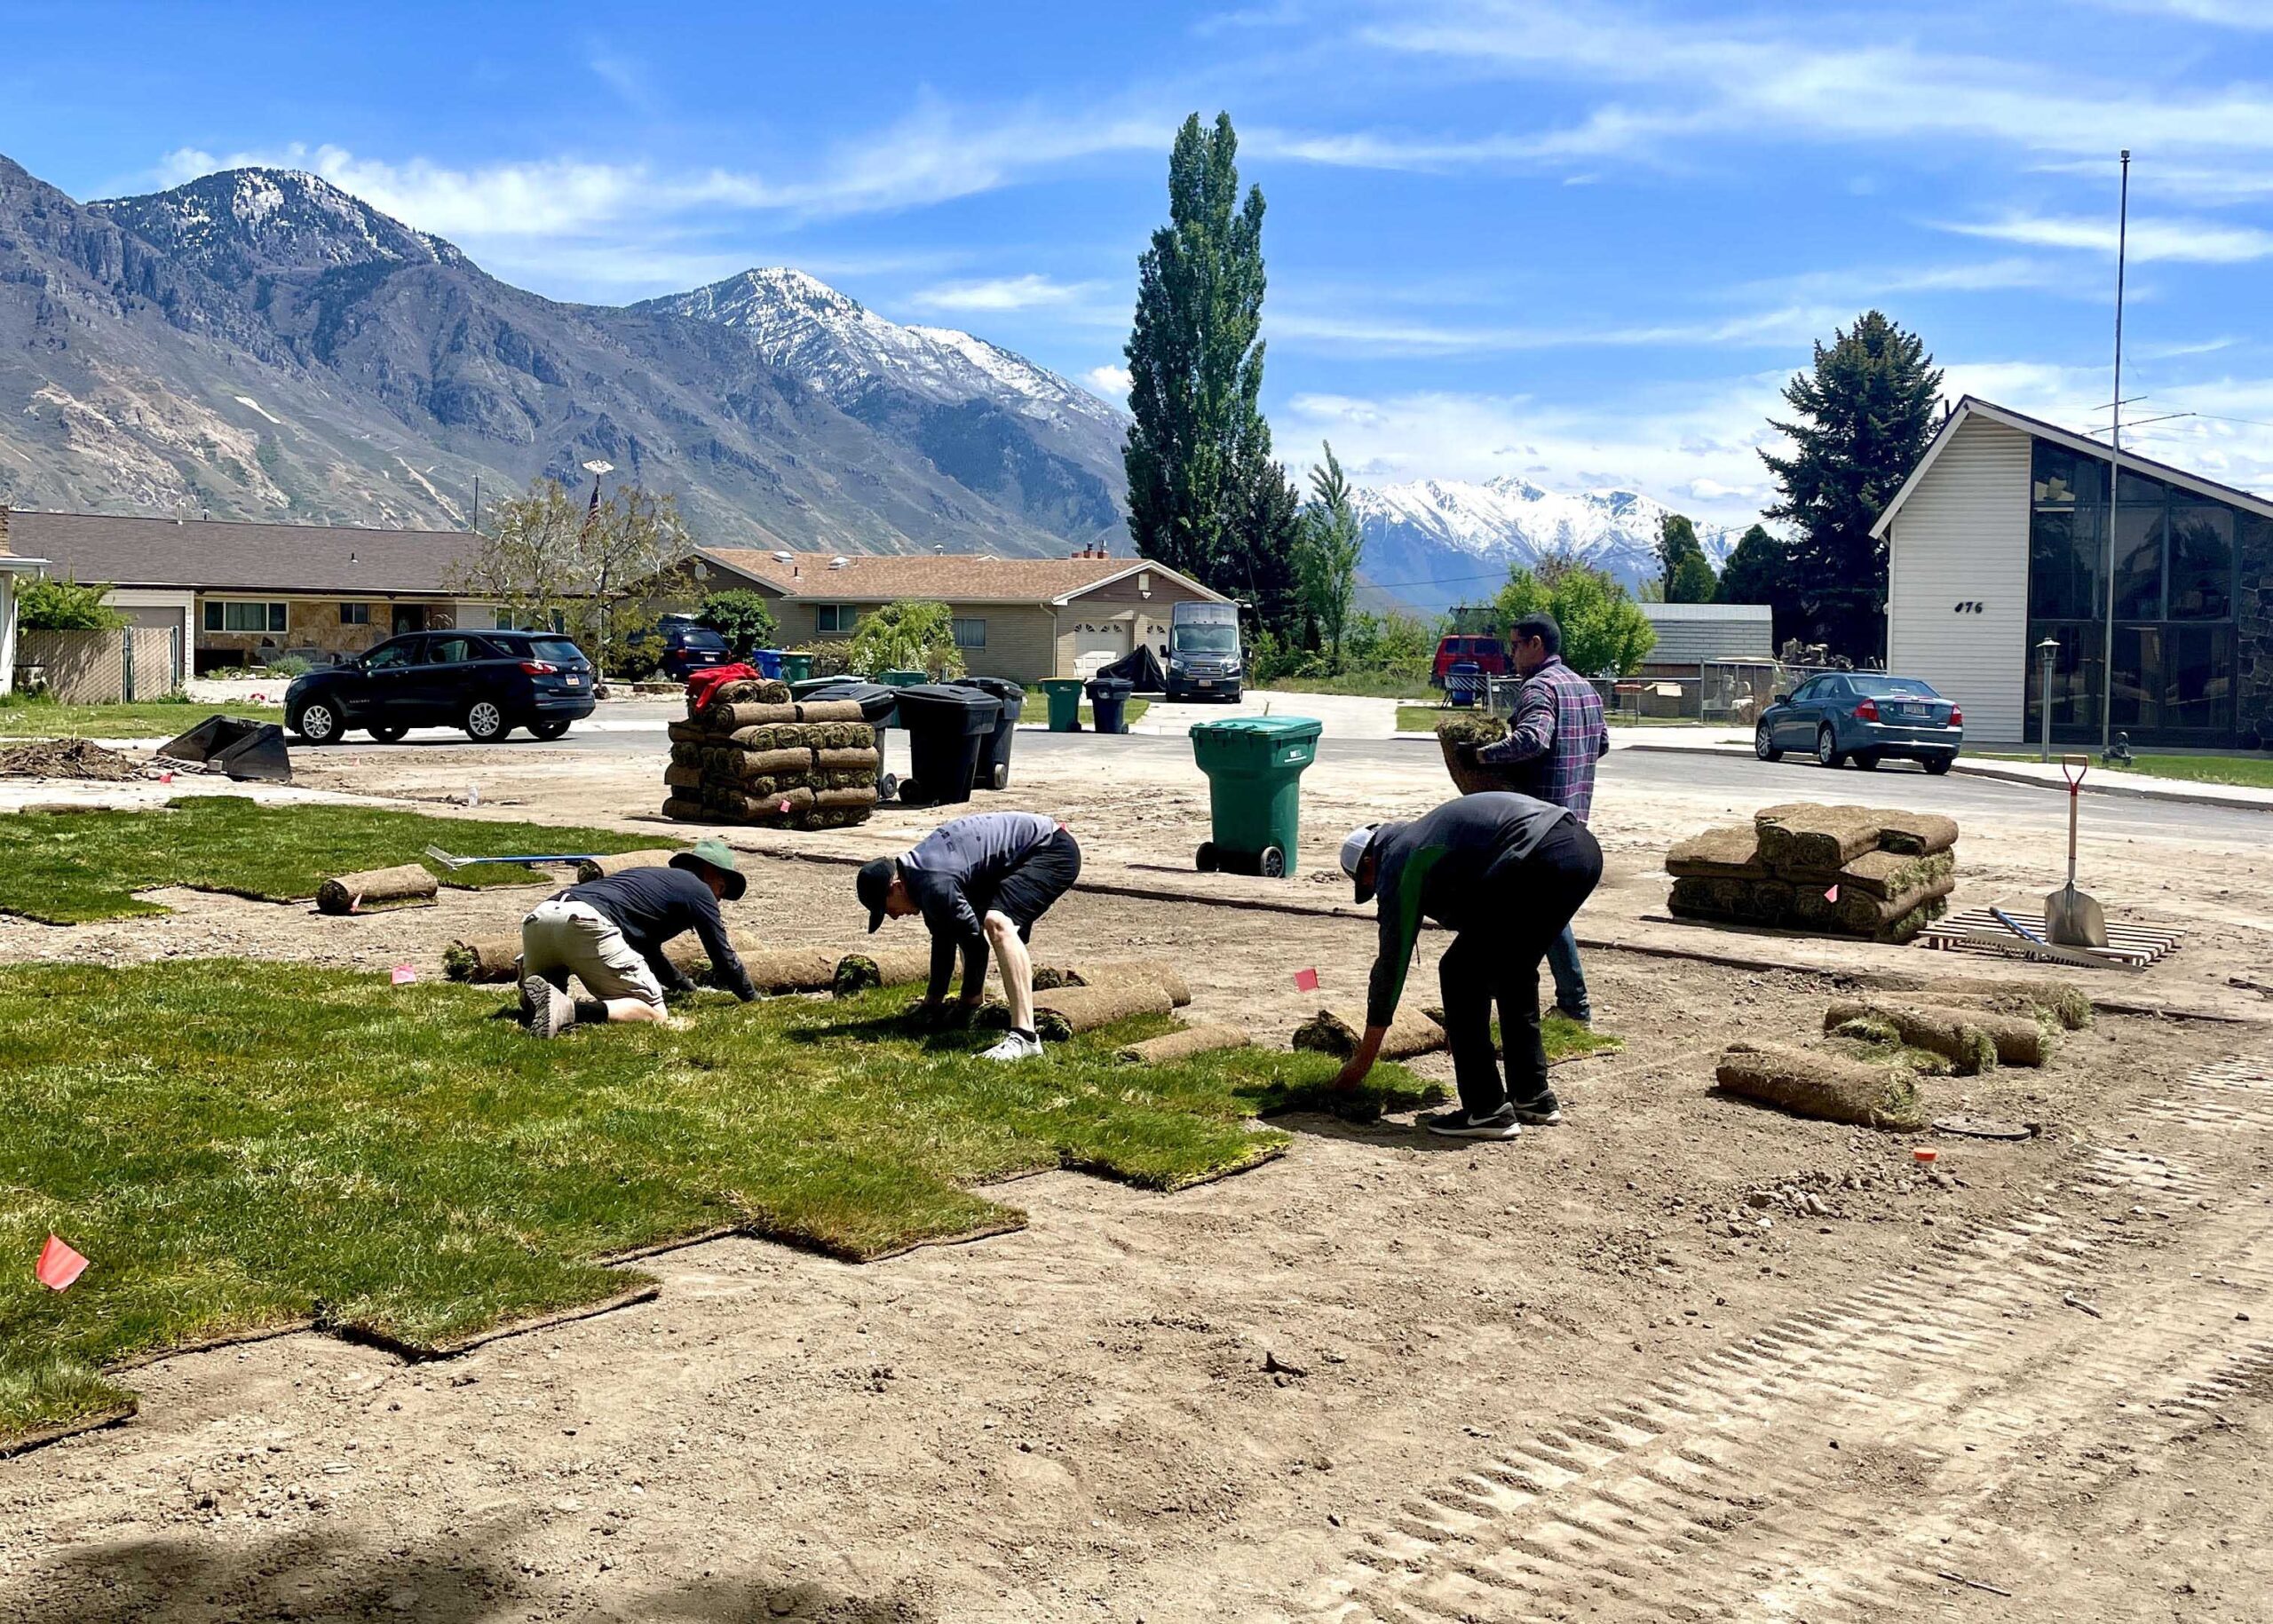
x,y
979,882
609,934
1504,873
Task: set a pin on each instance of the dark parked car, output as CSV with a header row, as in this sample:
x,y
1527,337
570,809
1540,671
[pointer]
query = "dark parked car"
x,y
679,648
488,683
1864,717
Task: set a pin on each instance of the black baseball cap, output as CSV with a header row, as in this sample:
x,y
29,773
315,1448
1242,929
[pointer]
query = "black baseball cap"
x,y
875,885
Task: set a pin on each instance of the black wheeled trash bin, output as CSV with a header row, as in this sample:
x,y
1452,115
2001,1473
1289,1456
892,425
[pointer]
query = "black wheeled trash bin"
x,y
948,730
995,761
879,708
1107,695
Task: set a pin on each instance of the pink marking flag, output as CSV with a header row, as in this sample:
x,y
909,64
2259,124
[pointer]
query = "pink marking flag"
x,y
165,778
1306,981
404,975
784,809
58,1265
1832,895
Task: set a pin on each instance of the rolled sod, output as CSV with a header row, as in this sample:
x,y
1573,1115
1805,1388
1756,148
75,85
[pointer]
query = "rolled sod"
x,y
1857,912
483,959
830,710
846,758
1111,972
766,764
1173,1046
1084,1008
410,886
1803,835
784,969
1953,1030
618,862
1914,834
678,775
686,809
744,691
1730,853
850,797
1880,873
727,718
1411,1033
2056,1001
857,972
1808,1082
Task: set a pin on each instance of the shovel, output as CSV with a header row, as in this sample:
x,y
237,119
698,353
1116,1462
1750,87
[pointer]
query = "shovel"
x,y
2072,918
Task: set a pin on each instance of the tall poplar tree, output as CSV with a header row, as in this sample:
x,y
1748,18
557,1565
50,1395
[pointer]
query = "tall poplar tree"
x,y
1865,413
1204,495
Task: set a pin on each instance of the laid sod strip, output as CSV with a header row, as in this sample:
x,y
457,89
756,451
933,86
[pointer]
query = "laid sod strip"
x,y
238,1146
68,870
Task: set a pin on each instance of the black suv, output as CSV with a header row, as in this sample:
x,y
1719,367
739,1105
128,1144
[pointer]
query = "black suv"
x,y
487,682
679,648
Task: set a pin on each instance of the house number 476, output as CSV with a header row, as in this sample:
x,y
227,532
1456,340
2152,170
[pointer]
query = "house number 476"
x,y
1972,605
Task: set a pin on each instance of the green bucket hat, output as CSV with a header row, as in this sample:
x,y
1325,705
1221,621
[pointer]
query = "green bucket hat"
x,y
716,854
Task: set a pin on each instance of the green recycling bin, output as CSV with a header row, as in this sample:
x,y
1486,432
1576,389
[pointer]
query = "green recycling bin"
x,y
1064,693
796,668
1254,769
902,679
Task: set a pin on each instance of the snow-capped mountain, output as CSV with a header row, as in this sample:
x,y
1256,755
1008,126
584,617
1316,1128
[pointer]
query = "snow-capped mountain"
x,y
250,222
1438,542
803,324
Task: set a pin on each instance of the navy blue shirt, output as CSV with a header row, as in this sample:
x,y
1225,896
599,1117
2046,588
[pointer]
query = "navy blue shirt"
x,y
953,865
651,905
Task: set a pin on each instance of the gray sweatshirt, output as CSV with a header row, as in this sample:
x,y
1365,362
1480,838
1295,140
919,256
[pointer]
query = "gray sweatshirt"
x,y
956,863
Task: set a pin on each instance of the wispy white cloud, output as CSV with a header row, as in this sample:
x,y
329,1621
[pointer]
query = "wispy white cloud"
x,y
2225,13
2203,242
1349,332
1108,383
1031,291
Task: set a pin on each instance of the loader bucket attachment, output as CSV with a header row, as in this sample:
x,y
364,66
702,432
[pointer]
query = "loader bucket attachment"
x,y
242,748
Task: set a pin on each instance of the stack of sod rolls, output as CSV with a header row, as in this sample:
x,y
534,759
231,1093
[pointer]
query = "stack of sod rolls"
x,y
752,755
1843,870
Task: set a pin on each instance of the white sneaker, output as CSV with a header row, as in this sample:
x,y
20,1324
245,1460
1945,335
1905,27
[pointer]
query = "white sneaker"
x,y
1014,1046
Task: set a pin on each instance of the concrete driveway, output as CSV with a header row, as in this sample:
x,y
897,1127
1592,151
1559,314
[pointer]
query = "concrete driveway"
x,y
1343,716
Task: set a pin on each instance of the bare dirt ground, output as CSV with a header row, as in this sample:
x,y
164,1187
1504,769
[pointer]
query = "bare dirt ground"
x,y
1384,1377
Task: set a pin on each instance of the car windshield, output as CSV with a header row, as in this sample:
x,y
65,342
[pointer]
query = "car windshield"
x,y
700,636
1892,687
1199,638
558,650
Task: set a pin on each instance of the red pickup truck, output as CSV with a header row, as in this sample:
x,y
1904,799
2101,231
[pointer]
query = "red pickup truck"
x,y
1489,653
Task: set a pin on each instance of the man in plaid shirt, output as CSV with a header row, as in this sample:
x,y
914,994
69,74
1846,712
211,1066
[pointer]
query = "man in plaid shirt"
x,y
1558,728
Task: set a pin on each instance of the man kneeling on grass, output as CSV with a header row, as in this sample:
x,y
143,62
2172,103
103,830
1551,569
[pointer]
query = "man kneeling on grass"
x,y
609,934
1504,873
980,881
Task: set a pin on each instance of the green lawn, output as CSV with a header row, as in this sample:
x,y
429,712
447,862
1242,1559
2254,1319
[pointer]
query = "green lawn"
x,y
1422,718
157,720
2256,772
71,867
238,1144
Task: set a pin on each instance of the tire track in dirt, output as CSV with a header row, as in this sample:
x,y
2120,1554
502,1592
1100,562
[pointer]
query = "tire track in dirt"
x,y
1848,1457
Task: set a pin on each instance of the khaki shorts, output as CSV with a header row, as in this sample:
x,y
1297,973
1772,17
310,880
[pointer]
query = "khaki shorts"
x,y
560,940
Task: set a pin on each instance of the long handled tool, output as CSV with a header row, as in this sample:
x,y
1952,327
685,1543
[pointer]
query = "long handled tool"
x,y
455,863
2071,917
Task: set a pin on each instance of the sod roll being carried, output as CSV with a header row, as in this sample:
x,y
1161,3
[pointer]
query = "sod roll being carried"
x,y
1976,1039
376,888
1808,1082
1173,1046
1110,972
1412,1032
483,959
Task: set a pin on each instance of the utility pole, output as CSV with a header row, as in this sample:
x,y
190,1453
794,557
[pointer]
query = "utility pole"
x,y
2114,465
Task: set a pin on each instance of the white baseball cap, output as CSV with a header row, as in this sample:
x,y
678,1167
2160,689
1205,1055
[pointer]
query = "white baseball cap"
x,y
1353,852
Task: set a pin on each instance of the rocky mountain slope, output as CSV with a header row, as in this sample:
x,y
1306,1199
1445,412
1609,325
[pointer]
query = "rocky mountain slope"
x,y
1438,542
259,344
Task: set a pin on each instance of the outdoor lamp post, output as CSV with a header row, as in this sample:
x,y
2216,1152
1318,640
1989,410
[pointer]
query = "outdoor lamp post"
x,y
2045,652
598,471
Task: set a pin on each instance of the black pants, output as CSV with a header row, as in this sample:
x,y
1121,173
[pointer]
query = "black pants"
x,y
1528,904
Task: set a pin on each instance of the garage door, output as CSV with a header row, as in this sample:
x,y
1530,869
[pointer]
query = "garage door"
x,y
1101,637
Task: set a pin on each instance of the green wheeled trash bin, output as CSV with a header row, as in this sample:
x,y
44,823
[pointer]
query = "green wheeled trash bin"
x,y
902,679
1254,769
1065,696
795,667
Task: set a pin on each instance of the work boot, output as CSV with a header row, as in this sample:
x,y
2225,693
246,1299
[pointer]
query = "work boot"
x,y
546,1010
1458,1123
1015,1045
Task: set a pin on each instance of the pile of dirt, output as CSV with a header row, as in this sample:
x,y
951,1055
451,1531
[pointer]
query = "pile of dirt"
x,y
1841,870
78,758
752,755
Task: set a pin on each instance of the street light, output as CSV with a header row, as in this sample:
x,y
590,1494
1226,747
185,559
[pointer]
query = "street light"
x,y
2044,651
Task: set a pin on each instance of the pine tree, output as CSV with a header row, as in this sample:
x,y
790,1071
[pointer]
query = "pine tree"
x,y
1864,413
1676,541
1204,496
1759,571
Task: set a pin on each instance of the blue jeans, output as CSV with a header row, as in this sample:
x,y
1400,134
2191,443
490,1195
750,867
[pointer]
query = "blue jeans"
x,y
1570,980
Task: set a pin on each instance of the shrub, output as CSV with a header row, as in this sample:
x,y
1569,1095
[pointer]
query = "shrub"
x,y
740,616
831,658
905,635
43,605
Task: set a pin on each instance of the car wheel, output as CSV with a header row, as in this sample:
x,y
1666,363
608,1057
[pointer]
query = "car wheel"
x,y
319,722
485,722
547,730
389,735
1763,743
1868,760
1827,752
1939,764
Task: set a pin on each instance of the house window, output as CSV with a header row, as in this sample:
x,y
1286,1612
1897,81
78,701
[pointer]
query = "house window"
x,y
354,614
971,633
232,615
834,617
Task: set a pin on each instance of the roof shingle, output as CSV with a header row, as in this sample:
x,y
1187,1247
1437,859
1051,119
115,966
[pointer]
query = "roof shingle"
x,y
957,577
218,555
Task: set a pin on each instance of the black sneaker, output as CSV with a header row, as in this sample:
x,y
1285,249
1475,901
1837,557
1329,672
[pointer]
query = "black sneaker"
x,y
1544,1112
1458,1124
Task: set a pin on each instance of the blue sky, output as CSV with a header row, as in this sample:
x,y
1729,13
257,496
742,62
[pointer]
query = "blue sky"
x,y
1580,242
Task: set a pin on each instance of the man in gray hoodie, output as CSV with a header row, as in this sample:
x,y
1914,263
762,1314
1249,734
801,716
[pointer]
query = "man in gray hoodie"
x,y
979,882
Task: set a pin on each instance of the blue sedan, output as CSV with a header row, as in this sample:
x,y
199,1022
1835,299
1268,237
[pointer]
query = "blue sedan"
x,y
1864,717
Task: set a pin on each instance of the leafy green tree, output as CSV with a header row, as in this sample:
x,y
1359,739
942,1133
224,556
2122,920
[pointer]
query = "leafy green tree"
x,y
44,604
910,634
744,618
1332,544
1204,495
1676,541
1862,415
1604,634
1396,645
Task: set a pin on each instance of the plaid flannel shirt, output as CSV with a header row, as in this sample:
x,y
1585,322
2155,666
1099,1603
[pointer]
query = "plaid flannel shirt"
x,y
1558,726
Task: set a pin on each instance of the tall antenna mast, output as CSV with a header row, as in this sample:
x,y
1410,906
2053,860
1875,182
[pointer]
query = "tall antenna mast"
x,y
2114,465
